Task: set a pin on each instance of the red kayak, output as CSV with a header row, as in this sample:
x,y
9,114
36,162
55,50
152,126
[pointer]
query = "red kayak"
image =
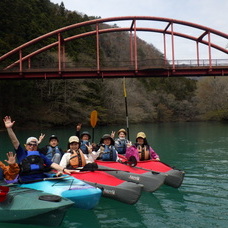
x,y
111,186
151,181
174,177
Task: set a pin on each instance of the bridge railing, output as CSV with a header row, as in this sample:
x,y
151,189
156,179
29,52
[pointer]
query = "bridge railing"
x,y
128,65
200,63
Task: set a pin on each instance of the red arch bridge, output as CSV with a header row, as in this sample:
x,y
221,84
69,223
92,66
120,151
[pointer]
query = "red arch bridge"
x,y
18,63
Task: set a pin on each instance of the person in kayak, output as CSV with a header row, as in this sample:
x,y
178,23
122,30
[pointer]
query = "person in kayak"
x,y
9,172
84,139
141,150
107,150
74,158
53,151
33,164
121,143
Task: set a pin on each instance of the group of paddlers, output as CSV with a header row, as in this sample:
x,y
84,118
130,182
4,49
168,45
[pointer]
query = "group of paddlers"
x,y
33,162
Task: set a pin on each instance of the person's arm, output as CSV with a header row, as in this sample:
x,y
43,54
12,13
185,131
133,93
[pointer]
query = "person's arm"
x,y
9,124
91,156
65,160
154,155
60,169
132,151
78,129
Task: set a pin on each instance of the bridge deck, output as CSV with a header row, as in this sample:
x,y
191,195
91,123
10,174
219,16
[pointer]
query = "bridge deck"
x,y
105,72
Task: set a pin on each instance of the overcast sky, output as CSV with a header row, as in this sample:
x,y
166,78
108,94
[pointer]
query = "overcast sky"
x,y
209,13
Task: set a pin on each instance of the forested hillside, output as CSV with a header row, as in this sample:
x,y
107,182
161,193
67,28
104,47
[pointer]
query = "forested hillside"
x,y
64,102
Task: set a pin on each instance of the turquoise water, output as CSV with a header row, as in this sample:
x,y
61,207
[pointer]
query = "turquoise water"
x,y
201,149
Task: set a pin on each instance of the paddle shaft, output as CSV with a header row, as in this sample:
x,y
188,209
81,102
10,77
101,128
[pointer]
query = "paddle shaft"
x,y
126,106
100,169
45,179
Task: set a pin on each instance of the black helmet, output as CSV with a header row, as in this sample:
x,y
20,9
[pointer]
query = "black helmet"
x,y
107,136
53,137
85,133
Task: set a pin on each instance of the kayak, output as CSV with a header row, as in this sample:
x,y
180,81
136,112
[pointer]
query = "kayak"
x,y
149,180
29,206
82,194
174,177
112,187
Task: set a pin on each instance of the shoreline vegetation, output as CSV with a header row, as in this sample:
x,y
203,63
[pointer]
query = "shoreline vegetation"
x,y
55,103
87,125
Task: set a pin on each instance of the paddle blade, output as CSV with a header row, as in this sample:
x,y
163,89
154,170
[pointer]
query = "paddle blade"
x,y
3,192
93,118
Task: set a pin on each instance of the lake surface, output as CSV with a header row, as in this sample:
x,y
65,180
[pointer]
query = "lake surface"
x,y
200,149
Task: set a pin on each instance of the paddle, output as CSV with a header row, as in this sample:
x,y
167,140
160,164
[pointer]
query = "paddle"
x,y
99,169
94,167
93,122
54,177
3,193
126,107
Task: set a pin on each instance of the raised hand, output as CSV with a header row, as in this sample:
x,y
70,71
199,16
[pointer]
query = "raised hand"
x,y
11,158
113,134
8,122
78,126
90,148
41,138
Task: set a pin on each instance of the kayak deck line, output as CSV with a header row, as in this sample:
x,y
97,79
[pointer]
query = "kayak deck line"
x,y
78,187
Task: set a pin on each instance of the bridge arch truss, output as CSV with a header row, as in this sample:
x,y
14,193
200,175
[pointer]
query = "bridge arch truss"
x,y
167,29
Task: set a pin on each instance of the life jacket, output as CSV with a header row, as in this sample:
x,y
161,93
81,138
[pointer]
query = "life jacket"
x,y
77,159
51,151
32,164
120,145
83,146
108,153
144,152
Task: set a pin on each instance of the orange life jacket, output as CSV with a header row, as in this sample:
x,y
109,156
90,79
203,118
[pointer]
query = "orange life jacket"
x,y
77,159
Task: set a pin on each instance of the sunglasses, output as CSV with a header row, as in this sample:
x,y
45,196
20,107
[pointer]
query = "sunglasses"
x,y
30,144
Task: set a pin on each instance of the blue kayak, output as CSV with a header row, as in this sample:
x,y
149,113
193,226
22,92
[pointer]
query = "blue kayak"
x,y
82,194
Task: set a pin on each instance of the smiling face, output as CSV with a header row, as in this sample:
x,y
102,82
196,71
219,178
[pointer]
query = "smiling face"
x,y
107,141
85,137
122,135
53,142
140,141
31,147
74,146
